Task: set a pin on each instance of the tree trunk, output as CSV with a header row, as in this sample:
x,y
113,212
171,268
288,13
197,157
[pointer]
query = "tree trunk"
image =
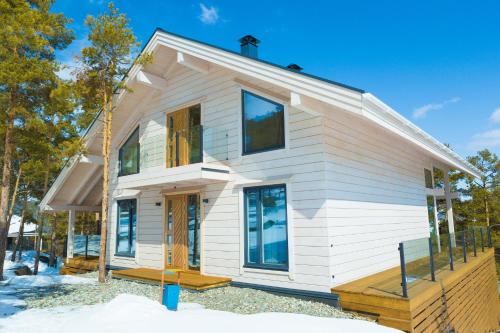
x,y
39,218
487,211
52,256
14,196
5,188
19,240
106,145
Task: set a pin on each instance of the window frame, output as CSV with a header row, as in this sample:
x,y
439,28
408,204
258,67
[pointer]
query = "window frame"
x,y
431,174
129,254
260,264
282,146
120,154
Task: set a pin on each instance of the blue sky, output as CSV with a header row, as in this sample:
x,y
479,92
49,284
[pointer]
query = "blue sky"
x,y
435,62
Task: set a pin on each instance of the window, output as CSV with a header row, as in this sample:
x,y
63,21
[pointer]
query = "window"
x,y
266,237
129,155
263,124
428,178
125,235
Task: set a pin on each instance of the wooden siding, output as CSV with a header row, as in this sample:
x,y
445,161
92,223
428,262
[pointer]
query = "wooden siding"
x,y
301,165
375,196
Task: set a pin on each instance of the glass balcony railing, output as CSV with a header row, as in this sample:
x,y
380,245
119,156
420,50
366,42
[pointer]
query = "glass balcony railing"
x,y
86,245
422,258
195,144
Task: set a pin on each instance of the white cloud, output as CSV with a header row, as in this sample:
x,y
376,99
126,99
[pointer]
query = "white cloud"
x,y
422,111
208,15
67,57
495,116
489,139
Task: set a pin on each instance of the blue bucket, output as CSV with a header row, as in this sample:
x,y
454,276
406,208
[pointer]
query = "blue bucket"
x,y
171,296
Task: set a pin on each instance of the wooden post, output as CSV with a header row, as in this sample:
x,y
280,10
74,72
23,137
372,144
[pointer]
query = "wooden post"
x,y
449,208
71,233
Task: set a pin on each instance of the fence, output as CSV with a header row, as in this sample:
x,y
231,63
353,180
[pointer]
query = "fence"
x,y
86,245
421,258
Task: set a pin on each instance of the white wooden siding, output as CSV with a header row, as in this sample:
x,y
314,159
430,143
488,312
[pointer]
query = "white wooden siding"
x,y
355,191
376,196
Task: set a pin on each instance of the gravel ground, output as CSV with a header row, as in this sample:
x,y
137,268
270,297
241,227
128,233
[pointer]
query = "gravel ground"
x,y
232,299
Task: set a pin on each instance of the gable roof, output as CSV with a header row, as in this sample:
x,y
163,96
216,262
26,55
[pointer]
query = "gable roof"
x,y
262,61
312,87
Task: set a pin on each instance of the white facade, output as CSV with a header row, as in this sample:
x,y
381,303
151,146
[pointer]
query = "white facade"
x,y
353,170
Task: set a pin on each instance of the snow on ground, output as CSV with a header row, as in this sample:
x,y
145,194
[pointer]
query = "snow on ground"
x,y
10,288
130,313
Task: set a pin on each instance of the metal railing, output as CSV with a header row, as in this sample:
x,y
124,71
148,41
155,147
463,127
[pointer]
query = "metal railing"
x,y
421,258
86,245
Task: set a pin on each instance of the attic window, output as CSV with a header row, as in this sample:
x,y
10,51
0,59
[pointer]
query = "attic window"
x,y
263,124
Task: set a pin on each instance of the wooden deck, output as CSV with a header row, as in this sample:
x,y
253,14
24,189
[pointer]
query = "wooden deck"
x,y
79,265
465,300
188,279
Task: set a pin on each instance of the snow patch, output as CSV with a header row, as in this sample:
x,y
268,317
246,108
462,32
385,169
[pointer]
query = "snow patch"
x,y
130,313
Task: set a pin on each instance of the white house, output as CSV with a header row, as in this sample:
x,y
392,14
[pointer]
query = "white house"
x,y
236,167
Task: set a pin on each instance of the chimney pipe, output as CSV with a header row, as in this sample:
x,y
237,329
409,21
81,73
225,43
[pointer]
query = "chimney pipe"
x,y
249,46
294,67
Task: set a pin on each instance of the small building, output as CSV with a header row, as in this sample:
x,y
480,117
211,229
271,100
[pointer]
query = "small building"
x,y
29,234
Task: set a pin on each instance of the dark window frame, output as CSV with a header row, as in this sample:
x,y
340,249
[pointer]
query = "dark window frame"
x,y
243,132
120,155
260,264
129,254
429,173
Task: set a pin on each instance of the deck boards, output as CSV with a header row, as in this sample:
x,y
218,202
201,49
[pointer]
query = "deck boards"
x,y
188,279
465,299
79,265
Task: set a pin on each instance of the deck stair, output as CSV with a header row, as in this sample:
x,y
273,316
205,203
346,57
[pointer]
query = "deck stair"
x,y
79,265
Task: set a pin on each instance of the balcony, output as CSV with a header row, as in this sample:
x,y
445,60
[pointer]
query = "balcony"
x,y
192,156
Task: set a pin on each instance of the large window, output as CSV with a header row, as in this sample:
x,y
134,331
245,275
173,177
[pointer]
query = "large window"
x,y
129,155
266,240
263,124
125,234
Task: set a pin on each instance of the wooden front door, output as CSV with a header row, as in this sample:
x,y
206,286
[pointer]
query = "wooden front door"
x,y
182,231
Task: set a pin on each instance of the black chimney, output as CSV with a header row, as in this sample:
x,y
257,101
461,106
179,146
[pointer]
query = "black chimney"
x,y
294,67
249,46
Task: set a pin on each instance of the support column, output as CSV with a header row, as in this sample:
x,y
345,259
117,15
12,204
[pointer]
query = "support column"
x,y
71,232
449,208
436,223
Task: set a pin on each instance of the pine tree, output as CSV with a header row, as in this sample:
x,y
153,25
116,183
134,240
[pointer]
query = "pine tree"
x,y
30,34
105,63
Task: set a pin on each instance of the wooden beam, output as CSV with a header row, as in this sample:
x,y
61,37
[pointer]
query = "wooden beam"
x,y
196,64
90,186
62,208
83,182
151,80
305,103
91,159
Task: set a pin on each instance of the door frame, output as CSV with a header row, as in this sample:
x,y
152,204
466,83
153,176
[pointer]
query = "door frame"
x,y
174,192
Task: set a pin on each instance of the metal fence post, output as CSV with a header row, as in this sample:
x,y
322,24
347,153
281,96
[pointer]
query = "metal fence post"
x,y
489,237
201,143
482,238
450,252
86,246
403,270
464,246
431,260
474,242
